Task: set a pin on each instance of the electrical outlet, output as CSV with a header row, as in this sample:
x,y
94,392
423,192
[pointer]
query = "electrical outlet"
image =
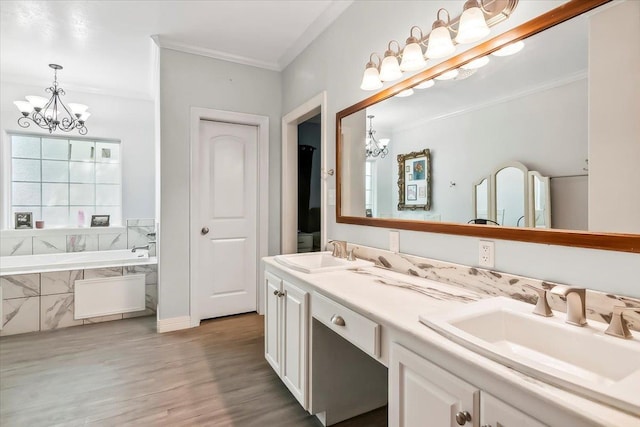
x,y
394,241
487,254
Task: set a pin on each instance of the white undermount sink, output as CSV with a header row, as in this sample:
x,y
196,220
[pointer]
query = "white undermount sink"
x,y
581,359
319,262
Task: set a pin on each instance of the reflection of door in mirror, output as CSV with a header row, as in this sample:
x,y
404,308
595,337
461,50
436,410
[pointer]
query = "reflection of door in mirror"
x,y
539,200
352,167
481,199
510,196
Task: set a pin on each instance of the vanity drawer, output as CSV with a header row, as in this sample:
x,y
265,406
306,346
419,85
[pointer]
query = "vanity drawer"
x,y
352,326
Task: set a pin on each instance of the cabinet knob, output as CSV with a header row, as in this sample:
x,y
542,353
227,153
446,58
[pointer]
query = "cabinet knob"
x,y
276,293
337,320
280,294
463,417
204,231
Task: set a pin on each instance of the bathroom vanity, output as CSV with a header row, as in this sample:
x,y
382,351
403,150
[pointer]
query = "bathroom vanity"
x,y
348,341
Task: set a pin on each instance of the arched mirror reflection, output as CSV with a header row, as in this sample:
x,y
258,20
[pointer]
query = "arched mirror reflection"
x,y
511,200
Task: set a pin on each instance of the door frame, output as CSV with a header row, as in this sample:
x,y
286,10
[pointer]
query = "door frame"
x,y
262,217
289,208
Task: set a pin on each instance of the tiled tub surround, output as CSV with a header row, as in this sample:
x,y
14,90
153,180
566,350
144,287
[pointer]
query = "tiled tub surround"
x,y
492,283
59,240
43,301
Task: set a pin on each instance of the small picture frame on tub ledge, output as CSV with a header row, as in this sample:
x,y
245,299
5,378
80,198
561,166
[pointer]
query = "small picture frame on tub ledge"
x,y
100,220
23,220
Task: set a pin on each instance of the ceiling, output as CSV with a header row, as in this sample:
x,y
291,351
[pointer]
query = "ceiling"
x,y
106,46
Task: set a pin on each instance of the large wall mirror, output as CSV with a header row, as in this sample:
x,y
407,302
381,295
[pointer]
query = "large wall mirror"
x,y
553,108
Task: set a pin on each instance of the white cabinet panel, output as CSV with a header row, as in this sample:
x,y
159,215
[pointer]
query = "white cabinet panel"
x,y
294,333
422,394
273,308
496,413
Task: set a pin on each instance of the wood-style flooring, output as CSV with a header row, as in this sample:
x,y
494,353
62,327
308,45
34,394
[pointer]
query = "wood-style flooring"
x,y
123,373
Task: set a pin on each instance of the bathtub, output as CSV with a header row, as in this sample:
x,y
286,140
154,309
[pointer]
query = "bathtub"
x,y
22,264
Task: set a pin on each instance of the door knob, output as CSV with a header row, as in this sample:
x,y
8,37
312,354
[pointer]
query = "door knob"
x,y
205,230
463,417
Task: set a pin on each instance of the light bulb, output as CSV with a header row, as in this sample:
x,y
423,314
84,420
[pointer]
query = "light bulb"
x,y
384,142
390,69
412,57
440,44
509,49
371,79
476,63
38,102
448,75
425,85
472,26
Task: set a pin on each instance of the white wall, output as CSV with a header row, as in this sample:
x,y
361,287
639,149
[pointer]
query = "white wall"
x,y
614,132
546,131
187,81
127,119
335,62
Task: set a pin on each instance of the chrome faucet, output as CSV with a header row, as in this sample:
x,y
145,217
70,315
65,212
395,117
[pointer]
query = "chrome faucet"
x,y
542,305
339,248
576,298
135,248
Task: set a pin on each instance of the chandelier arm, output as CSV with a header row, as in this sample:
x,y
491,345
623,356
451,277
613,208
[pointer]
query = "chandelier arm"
x,y
23,122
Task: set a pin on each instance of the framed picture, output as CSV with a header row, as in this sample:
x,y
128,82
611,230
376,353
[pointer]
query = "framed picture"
x,y
414,180
24,220
100,220
412,192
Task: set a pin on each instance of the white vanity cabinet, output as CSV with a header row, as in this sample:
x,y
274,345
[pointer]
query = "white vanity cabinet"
x,y
287,334
423,394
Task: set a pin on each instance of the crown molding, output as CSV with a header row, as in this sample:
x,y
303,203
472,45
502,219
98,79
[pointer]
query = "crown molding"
x,y
165,43
321,23
580,75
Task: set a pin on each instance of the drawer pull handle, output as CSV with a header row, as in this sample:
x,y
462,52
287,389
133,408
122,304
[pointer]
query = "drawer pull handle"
x,y
463,417
337,320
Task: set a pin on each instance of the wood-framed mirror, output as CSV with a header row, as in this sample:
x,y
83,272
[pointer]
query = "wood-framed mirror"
x,y
453,205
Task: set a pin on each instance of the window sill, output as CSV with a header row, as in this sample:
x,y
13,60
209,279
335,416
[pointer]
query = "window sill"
x,y
63,231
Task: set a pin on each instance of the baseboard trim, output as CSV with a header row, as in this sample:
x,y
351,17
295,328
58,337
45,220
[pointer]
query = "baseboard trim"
x,y
173,324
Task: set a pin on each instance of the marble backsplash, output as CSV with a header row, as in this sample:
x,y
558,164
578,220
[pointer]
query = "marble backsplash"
x,y
494,283
44,301
48,241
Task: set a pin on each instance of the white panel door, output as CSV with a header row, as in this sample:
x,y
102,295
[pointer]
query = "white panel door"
x,y
496,413
226,267
422,394
294,341
272,321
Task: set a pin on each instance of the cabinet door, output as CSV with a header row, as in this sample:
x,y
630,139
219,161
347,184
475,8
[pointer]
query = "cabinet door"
x,y
272,321
422,394
496,413
294,341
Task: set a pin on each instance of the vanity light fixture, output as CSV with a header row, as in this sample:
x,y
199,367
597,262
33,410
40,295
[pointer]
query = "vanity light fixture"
x,y
375,147
476,63
390,68
412,56
425,85
52,114
473,24
371,79
440,43
448,75
509,49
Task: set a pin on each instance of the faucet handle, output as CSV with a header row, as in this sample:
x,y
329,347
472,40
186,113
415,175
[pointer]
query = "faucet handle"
x,y
542,305
617,326
336,248
351,256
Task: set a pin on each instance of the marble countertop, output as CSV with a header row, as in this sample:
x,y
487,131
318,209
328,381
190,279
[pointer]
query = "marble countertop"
x,y
396,301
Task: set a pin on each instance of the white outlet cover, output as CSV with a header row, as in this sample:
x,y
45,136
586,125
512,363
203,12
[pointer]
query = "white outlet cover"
x,y
394,241
486,254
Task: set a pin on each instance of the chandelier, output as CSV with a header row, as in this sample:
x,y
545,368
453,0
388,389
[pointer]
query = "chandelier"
x,y
52,114
375,147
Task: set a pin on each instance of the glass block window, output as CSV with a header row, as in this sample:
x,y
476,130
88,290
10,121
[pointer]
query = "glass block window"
x,y
64,181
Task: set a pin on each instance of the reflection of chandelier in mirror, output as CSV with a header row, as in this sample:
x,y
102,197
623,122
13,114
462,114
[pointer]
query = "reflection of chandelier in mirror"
x,y
375,147
52,114
472,25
